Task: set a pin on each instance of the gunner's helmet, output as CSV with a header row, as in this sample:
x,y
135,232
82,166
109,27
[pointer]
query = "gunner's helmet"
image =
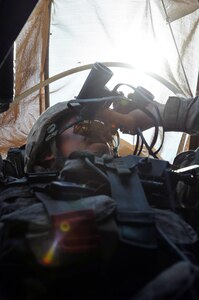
x,y
42,137
43,133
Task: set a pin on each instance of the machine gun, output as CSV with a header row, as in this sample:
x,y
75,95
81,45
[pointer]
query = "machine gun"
x,y
95,87
94,96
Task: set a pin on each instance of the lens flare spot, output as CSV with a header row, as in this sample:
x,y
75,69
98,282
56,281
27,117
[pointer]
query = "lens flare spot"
x,y
48,258
64,226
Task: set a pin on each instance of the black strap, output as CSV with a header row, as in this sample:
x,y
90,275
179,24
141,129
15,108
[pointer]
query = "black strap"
x,y
128,192
133,214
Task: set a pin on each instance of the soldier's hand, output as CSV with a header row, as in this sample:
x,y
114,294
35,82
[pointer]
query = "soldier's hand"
x,y
128,123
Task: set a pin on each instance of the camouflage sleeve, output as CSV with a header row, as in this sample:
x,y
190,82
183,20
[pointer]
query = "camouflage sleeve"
x,y
181,114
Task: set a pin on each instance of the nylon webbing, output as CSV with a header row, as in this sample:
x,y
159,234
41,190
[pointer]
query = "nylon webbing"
x,y
128,192
133,214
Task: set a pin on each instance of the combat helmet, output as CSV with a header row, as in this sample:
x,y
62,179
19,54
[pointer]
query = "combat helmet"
x,y
44,132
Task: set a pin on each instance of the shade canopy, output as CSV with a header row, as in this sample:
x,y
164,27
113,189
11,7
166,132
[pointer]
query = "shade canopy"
x,y
149,43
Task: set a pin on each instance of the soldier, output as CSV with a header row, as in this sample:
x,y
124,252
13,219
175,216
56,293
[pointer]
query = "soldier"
x,y
80,222
178,114
48,142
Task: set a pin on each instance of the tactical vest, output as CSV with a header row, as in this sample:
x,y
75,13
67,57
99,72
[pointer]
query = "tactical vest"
x,y
102,216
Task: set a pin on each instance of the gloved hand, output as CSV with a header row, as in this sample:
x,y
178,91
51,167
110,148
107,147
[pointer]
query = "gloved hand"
x,y
129,122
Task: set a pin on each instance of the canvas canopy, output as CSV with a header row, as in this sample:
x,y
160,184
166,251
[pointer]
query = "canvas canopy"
x,y
148,43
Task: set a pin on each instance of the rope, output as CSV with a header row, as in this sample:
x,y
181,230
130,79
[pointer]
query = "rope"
x,y
54,78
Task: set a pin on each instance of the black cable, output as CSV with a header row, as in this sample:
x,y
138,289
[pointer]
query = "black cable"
x,y
155,137
156,123
154,140
136,145
146,144
141,145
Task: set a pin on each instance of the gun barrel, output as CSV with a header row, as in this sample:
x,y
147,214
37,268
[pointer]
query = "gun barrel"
x,y
94,86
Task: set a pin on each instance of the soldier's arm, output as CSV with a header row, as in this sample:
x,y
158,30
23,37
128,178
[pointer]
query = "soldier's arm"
x,y
181,114
178,114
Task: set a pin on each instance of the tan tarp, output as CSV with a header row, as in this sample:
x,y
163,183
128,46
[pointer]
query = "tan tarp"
x,y
176,9
30,55
83,32
135,32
